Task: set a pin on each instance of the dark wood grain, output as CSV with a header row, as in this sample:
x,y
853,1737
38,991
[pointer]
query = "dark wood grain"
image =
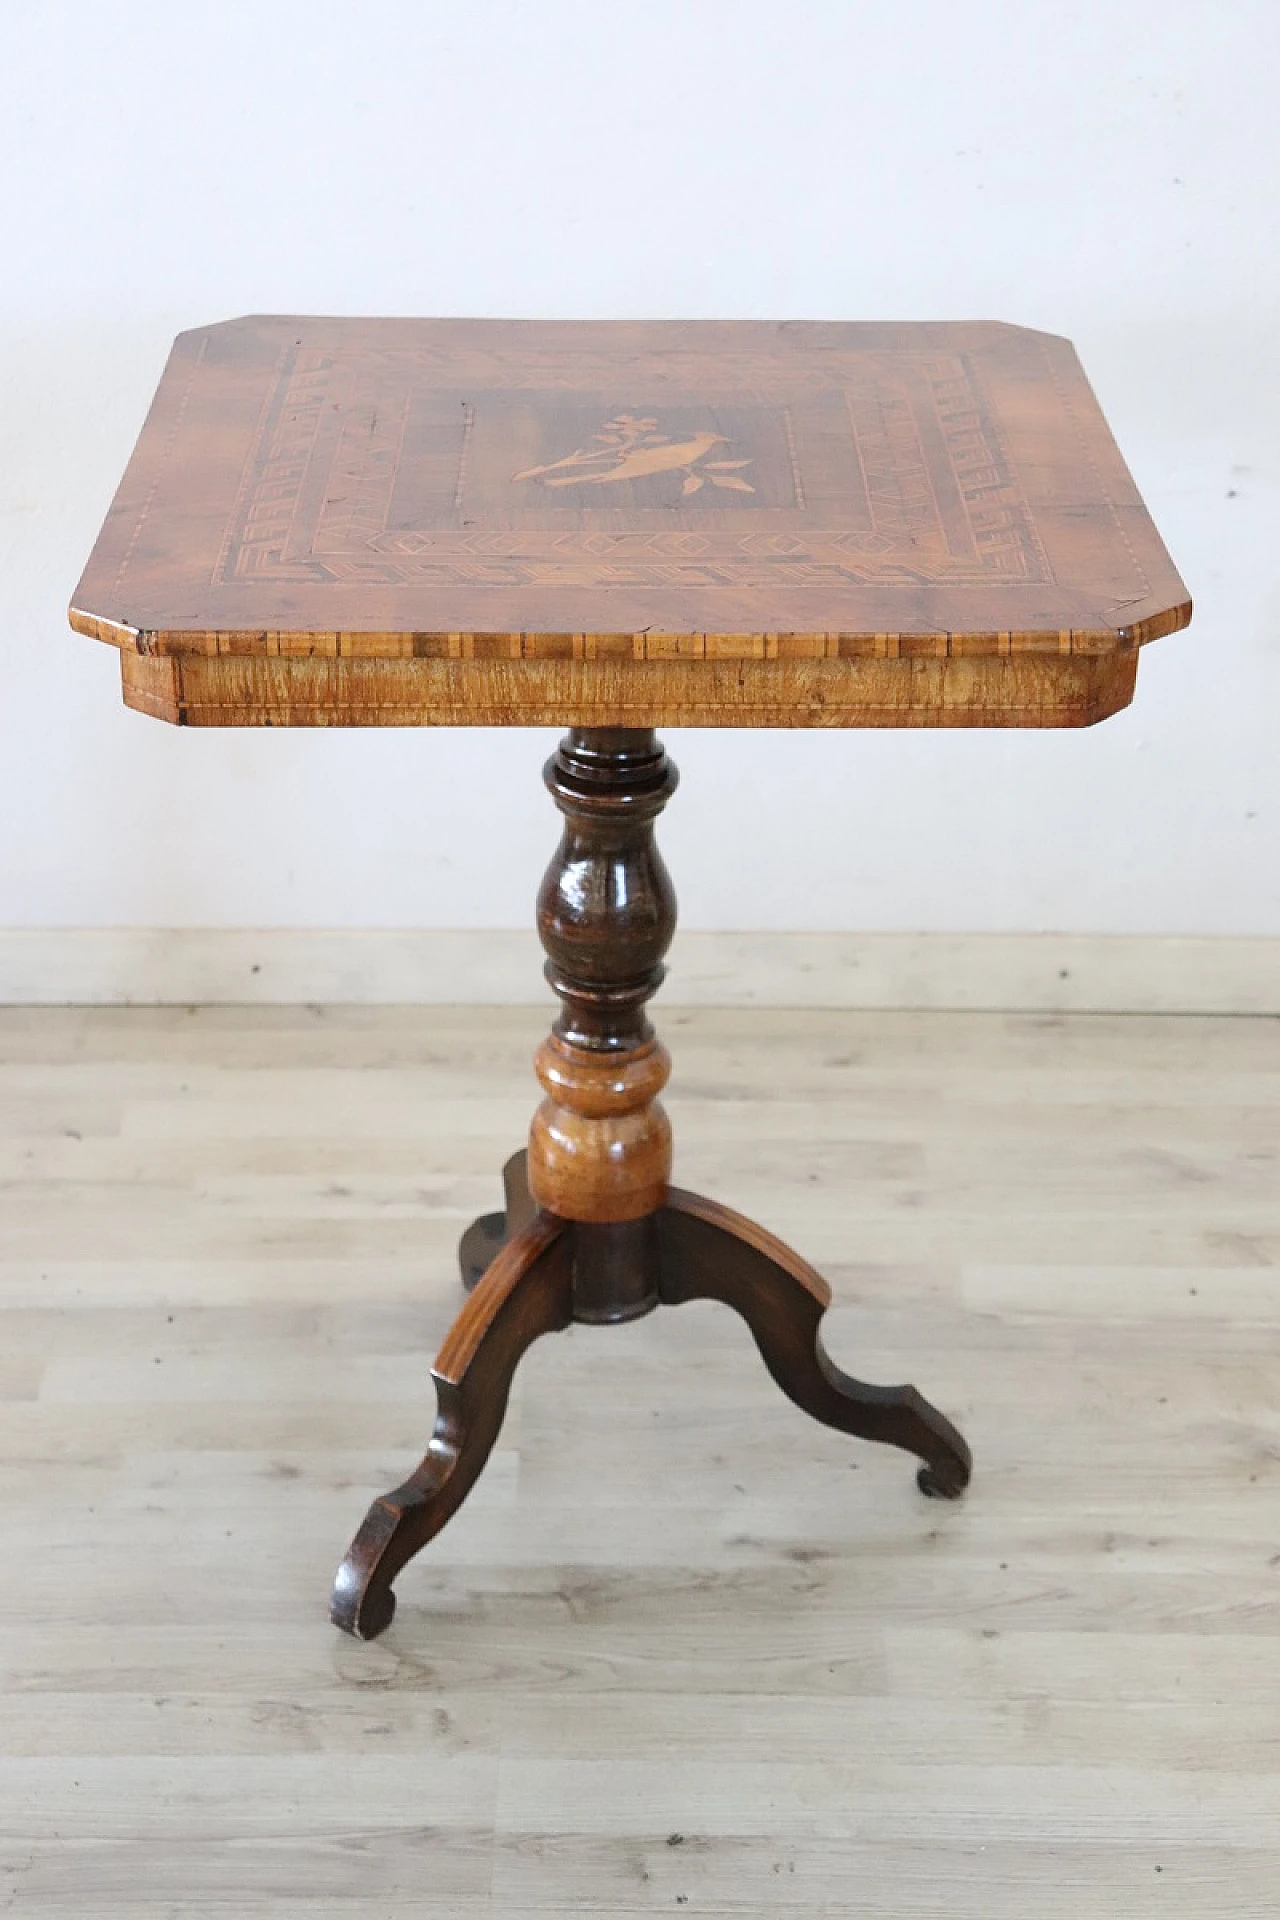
x,y
592,1230
708,1252
485,1238
355,522
600,1143
526,1292
547,1272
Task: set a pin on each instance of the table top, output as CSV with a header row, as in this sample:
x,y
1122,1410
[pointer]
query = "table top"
x,y
510,522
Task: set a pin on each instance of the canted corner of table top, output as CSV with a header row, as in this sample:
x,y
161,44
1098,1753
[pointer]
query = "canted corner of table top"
x,y
515,523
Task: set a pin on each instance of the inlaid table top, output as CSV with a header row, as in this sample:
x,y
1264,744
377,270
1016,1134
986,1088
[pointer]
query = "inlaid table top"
x,y
484,522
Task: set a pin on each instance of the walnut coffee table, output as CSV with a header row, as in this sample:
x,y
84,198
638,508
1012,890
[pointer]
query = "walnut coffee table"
x,y
613,527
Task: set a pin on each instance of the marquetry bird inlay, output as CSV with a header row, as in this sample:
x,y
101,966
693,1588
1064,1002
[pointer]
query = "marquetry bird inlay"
x,y
631,448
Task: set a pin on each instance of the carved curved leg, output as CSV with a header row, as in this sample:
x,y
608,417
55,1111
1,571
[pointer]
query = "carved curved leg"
x,y
711,1253
485,1238
527,1291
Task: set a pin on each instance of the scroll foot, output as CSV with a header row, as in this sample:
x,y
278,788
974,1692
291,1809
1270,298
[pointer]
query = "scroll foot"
x,y
527,1291
709,1252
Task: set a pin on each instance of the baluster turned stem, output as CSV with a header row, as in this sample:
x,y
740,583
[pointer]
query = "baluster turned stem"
x,y
600,1144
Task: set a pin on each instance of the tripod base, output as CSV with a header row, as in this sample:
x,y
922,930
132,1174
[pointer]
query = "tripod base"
x,y
532,1272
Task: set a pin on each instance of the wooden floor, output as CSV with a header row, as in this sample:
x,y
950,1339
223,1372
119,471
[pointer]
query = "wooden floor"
x,y
683,1650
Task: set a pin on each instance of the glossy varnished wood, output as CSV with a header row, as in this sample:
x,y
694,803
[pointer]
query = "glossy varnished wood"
x,y
600,1143
526,1292
591,1230
552,1271
701,1250
916,691
708,1252
354,522
489,1233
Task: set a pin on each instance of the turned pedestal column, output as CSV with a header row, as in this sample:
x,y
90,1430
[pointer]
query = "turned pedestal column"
x,y
600,1143
592,1228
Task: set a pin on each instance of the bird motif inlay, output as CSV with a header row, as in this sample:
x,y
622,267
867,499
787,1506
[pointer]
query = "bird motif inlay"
x,y
631,448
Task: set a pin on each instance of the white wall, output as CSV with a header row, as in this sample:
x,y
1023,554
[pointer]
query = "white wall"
x,y
1106,169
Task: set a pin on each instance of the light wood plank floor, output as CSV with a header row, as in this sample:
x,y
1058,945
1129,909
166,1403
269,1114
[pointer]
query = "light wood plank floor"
x,y
683,1650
